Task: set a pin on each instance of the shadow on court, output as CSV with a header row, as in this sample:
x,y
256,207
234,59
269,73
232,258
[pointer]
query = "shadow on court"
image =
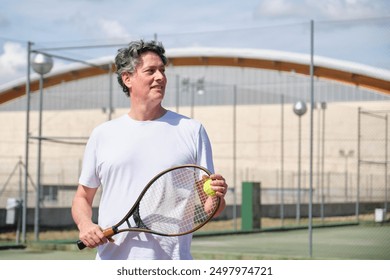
x,y
340,243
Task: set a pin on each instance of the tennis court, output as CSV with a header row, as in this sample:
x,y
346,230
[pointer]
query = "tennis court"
x,y
360,242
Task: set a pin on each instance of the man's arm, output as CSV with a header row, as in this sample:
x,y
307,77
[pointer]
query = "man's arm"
x,y
90,233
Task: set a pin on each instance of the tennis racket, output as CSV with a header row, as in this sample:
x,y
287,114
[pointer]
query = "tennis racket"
x,y
173,203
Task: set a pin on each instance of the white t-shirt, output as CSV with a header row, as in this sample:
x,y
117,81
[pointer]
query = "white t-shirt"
x,y
122,156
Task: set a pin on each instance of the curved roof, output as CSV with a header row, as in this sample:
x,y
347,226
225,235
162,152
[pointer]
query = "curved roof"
x,y
342,71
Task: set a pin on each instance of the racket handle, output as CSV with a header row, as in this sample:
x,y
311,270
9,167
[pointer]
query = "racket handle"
x,y
80,244
109,232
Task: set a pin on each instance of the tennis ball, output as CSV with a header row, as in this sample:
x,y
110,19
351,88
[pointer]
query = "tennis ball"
x,y
207,188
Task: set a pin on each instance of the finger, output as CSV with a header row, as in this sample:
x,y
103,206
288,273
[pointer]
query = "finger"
x,y
95,238
220,190
219,183
216,177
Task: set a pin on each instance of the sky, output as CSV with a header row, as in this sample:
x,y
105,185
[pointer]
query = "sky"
x,y
350,30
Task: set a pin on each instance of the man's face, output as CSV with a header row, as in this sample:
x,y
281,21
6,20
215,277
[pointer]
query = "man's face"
x,y
148,82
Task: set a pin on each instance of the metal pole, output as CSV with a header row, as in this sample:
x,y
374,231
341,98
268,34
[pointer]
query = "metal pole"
x,y
299,110
18,209
282,162
328,185
346,178
192,88
298,214
38,190
318,150
386,160
235,155
311,136
323,107
27,138
177,93
358,161
110,107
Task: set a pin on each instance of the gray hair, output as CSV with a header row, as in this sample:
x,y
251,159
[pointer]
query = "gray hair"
x,y
127,59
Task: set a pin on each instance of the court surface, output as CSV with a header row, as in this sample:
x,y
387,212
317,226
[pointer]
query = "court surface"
x,y
338,243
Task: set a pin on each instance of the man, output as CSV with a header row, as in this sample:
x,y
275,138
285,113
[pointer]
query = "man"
x,y
122,155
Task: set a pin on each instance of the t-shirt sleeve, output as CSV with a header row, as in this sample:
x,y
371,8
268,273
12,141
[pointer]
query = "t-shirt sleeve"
x,y
89,176
204,153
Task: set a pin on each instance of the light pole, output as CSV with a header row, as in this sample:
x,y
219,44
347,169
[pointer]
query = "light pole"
x,y
346,155
42,64
177,93
323,107
299,109
26,152
235,156
282,161
192,87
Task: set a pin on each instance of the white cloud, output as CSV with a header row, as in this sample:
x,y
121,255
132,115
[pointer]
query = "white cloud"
x,y
276,8
112,29
347,9
12,61
322,10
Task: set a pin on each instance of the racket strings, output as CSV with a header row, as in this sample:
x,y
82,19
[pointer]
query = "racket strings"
x,y
176,203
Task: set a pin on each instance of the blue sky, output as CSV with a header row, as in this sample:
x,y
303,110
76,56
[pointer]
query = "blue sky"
x,y
352,30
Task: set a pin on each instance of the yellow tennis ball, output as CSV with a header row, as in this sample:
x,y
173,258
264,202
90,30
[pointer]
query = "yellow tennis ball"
x,y
207,188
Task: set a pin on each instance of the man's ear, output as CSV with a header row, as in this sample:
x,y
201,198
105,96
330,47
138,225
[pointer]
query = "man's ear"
x,y
126,78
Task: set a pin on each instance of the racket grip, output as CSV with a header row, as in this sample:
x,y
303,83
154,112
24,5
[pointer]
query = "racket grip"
x,y
109,232
80,244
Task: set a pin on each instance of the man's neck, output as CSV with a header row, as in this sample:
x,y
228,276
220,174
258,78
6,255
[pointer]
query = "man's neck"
x,y
144,114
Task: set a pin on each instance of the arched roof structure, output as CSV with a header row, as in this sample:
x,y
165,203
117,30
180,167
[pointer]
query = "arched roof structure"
x,y
341,71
